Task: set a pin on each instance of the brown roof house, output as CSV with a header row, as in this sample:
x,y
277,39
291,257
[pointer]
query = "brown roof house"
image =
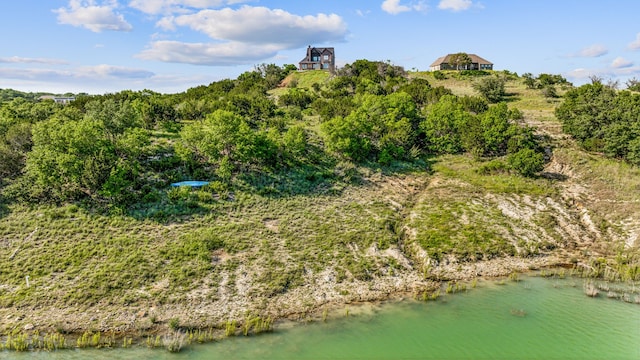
x,y
477,63
318,58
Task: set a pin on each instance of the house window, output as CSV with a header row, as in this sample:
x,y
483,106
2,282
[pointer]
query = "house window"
x,y
304,66
326,57
315,58
316,66
325,65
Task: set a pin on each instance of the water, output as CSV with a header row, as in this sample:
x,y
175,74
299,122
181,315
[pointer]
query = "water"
x,y
532,319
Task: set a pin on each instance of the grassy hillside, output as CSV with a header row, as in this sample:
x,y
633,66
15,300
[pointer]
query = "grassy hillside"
x,y
357,231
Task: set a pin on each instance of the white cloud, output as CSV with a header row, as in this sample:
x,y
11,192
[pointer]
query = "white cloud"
x,y
167,23
261,25
81,73
635,45
619,63
243,36
595,50
420,6
627,71
579,73
110,71
584,75
455,5
22,60
97,18
220,54
98,79
177,6
393,7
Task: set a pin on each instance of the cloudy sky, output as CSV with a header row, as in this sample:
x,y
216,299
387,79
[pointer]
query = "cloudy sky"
x,y
99,46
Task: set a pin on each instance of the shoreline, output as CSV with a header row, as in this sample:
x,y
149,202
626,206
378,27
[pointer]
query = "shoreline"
x,y
309,302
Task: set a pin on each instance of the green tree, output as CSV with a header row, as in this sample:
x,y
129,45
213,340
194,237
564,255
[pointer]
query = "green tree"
x,y
460,61
227,136
155,110
347,137
544,80
529,80
70,158
497,129
381,124
96,155
221,134
273,74
587,110
442,125
14,145
419,90
633,84
255,107
549,91
113,116
491,88
295,141
333,107
297,97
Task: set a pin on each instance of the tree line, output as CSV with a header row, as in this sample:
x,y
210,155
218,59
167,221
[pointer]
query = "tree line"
x,y
125,148
603,119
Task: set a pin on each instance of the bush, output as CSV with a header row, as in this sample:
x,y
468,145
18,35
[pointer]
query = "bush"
x,y
549,91
439,75
526,162
472,73
491,88
515,114
180,193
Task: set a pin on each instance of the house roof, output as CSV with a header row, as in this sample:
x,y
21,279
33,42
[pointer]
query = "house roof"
x,y
474,59
318,51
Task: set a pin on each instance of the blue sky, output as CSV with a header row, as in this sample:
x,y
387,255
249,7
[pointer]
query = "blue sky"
x,y
99,46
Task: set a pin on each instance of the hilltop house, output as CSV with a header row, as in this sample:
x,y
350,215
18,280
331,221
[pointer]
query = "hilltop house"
x,y
477,63
318,58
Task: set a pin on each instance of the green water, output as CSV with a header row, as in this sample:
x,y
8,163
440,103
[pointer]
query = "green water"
x,y
560,323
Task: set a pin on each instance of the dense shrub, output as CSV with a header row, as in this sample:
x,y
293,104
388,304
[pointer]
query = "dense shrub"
x,y
492,88
381,125
526,162
602,120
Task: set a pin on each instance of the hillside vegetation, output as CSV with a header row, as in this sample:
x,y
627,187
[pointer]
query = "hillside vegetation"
x,y
324,189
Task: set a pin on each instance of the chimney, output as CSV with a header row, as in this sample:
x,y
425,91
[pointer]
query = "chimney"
x,y
309,52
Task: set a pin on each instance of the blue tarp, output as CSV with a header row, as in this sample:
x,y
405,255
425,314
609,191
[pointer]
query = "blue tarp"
x,y
191,183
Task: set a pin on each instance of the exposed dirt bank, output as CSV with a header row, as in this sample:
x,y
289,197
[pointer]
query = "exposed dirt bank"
x,y
198,312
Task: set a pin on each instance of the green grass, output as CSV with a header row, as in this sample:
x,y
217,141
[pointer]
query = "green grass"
x,y
464,168
278,228
303,80
459,87
77,256
467,230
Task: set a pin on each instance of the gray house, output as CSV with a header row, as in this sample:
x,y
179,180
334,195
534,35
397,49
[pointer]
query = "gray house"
x,y
318,58
477,63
